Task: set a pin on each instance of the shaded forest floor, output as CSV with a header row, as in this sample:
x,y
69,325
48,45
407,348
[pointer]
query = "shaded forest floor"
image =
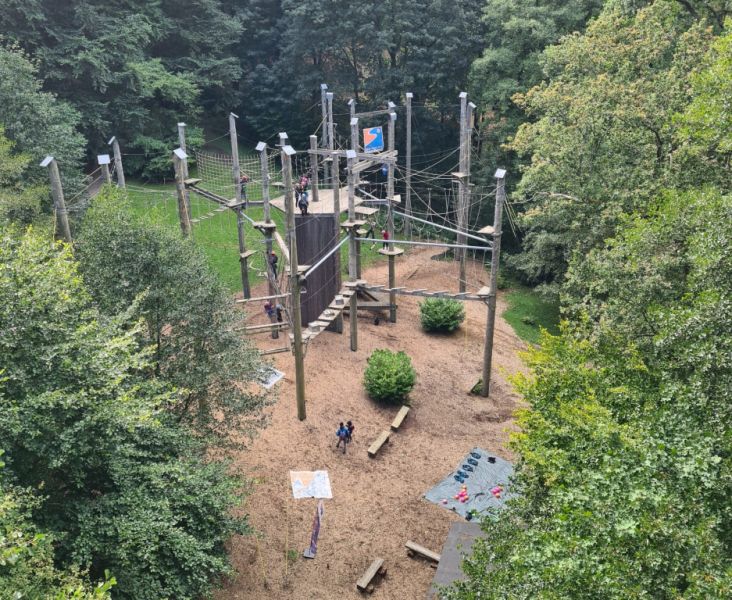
x,y
377,503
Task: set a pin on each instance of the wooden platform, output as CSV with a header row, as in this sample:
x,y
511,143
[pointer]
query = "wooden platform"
x,y
391,251
323,205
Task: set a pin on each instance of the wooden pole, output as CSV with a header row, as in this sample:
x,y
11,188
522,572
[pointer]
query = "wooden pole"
x,y
179,158
271,278
390,221
352,193
460,254
63,230
338,322
184,165
324,129
333,176
118,162
286,153
493,284
243,261
408,191
353,245
314,167
235,168
352,108
236,176
106,174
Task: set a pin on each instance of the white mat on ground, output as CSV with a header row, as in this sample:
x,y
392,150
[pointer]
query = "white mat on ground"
x,y
310,484
483,478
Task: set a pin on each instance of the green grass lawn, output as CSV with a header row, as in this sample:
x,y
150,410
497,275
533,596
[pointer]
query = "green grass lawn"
x,y
217,236
528,313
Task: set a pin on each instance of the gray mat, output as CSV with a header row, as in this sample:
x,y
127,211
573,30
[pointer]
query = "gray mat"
x,y
480,481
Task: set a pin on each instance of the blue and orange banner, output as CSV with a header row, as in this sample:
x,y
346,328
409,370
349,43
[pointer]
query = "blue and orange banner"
x,y
373,139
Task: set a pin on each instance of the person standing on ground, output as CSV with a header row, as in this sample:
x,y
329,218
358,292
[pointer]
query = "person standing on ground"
x,y
342,435
350,427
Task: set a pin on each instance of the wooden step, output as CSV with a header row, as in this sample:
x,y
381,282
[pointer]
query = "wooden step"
x,y
399,419
414,548
378,443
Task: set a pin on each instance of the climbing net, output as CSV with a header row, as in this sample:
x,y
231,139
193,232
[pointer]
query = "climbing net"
x,y
216,171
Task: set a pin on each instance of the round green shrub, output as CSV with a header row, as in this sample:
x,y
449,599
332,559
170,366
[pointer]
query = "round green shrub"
x,y
441,314
389,376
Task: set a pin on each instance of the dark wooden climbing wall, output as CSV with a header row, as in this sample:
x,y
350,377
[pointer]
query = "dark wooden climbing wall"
x,y
316,234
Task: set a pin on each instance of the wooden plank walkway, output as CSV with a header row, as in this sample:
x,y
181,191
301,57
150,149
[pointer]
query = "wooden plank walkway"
x,y
481,295
324,204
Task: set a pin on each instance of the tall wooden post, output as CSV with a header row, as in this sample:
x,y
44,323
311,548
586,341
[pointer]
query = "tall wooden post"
x,y
324,130
460,253
352,110
408,194
235,168
184,164
117,162
103,161
236,177
286,153
352,246
390,220
354,147
63,231
271,278
493,284
334,175
314,167
179,161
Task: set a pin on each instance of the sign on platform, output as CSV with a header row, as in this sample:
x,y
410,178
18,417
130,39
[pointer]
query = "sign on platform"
x,y
373,139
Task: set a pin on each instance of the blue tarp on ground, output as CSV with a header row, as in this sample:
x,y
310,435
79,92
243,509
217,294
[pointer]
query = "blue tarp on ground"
x,y
484,477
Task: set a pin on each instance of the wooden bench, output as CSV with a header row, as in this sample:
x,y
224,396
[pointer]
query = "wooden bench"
x,y
399,419
414,548
378,443
366,583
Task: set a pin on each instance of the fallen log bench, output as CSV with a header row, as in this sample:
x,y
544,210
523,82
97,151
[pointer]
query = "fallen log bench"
x,y
378,443
414,548
366,583
399,419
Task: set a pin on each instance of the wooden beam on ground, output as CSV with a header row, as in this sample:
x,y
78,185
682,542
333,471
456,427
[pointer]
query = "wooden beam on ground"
x,y
378,443
365,583
399,419
414,548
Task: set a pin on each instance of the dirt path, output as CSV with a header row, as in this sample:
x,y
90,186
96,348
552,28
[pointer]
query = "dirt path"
x,y
377,503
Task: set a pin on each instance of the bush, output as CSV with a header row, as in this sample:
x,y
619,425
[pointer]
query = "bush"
x,y
389,376
441,314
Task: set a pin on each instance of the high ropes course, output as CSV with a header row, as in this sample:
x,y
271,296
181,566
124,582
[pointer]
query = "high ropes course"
x,y
441,209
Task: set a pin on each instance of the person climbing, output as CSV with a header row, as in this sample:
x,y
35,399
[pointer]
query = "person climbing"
x,y
385,237
269,309
350,427
302,199
273,263
304,185
370,230
243,181
278,311
342,435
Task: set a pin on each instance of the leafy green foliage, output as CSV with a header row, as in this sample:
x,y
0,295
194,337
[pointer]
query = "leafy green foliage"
x,y
36,121
441,314
26,556
625,452
389,376
190,318
19,203
602,130
705,128
88,427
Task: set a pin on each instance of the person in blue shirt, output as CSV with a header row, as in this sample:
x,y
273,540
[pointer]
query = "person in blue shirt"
x,y
342,434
